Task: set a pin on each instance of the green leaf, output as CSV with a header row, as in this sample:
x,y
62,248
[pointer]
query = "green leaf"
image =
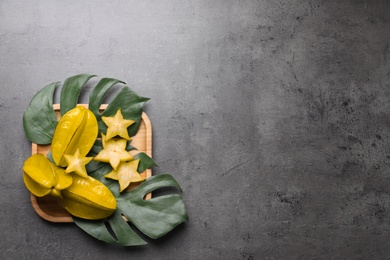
x,y
97,95
131,106
123,233
145,162
94,165
99,175
39,119
155,217
70,91
129,147
50,157
96,148
95,228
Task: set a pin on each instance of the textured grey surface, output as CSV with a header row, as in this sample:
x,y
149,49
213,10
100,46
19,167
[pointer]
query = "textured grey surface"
x,y
272,115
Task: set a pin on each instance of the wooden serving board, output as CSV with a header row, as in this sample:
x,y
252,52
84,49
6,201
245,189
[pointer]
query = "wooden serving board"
x,y
47,207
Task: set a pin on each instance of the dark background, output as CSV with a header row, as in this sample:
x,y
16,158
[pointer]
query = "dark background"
x,y
272,115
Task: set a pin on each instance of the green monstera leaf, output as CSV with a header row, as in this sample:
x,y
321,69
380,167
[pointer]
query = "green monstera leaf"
x,y
130,103
97,95
154,217
145,162
70,91
39,119
124,235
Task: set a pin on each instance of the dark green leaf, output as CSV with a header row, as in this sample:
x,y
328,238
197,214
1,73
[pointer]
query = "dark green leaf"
x,y
145,162
131,106
96,148
123,233
157,216
70,91
99,172
39,119
94,165
97,95
95,228
129,147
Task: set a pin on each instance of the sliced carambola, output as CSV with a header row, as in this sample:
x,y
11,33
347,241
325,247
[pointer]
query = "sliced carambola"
x,y
117,125
76,163
114,152
125,174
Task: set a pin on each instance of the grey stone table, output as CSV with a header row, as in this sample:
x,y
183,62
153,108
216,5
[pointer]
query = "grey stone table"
x,y
272,115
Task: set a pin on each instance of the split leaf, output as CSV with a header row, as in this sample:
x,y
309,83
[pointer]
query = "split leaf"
x,y
39,119
154,218
97,95
70,91
131,106
145,162
124,235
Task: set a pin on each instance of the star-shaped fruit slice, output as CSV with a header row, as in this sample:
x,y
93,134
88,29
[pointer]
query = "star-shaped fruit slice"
x,y
125,174
114,152
76,163
117,125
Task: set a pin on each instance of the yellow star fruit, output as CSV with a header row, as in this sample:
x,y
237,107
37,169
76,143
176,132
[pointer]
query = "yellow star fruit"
x,y
114,152
77,129
117,126
87,198
125,174
76,163
42,177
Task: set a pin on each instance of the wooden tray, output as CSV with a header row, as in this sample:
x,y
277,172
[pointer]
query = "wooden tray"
x,y
47,207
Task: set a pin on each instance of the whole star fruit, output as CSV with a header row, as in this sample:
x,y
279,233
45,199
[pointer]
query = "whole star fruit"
x,y
42,177
77,129
87,198
114,152
117,125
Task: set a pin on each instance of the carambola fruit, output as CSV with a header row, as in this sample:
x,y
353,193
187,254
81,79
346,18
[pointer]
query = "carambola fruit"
x,y
42,178
77,129
87,198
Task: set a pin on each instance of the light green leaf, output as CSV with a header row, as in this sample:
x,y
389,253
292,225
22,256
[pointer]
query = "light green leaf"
x,y
70,91
39,119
